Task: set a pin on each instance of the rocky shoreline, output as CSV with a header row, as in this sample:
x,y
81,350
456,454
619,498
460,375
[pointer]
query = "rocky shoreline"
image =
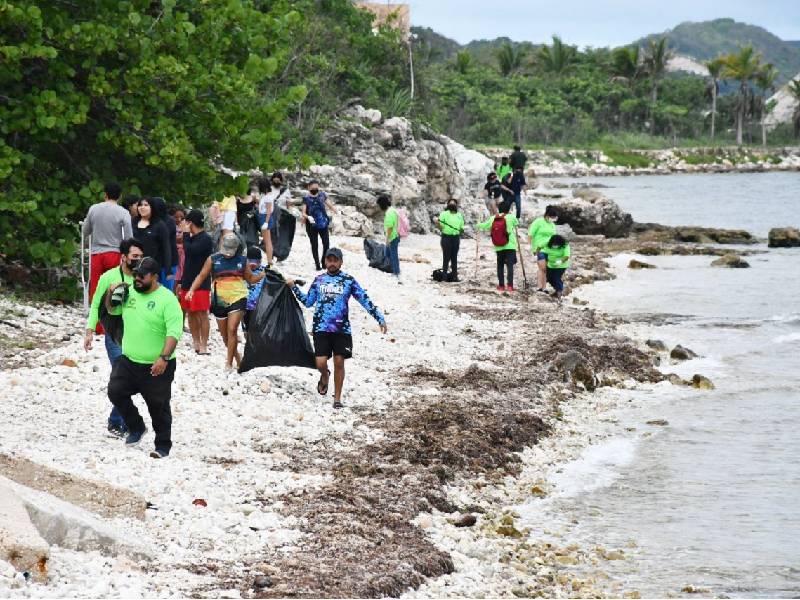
x,y
444,415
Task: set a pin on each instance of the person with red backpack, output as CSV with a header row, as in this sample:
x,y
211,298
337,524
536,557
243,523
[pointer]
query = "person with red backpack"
x,y
503,230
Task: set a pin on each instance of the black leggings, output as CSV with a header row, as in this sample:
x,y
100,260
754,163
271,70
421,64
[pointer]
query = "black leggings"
x,y
506,259
450,245
554,278
313,232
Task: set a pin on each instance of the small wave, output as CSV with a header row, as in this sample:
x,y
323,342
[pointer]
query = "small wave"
x,y
788,319
599,466
788,338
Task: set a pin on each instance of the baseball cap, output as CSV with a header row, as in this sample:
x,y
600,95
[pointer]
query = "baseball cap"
x,y
230,245
335,252
147,266
195,217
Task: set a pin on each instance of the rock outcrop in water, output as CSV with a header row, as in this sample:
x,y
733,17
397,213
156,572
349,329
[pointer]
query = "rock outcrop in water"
x,y
589,212
697,235
784,237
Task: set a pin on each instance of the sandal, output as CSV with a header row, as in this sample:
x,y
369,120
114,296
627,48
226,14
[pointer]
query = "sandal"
x,y
337,404
322,389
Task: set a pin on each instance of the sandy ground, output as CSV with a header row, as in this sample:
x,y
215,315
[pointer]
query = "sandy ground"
x,y
442,416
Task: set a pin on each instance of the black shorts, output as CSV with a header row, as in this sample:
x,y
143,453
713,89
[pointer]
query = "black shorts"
x,y
222,312
333,344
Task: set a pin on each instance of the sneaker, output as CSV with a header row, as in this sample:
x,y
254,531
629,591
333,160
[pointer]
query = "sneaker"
x,y
501,288
134,437
159,453
542,290
509,288
117,431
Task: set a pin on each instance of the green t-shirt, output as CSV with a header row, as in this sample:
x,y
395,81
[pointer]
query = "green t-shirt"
x,y
502,171
391,219
557,258
115,275
540,232
452,222
148,320
511,228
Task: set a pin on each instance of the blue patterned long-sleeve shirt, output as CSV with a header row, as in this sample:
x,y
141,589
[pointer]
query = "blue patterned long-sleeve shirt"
x,y
331,294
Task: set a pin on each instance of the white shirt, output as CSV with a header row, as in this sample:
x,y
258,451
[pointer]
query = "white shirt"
x,y
274,197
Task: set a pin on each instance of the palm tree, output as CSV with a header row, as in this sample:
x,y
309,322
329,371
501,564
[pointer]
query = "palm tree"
x,y
794,90
765,80
509,58
557,58
463,62
744,67
715,71
626,64
656,57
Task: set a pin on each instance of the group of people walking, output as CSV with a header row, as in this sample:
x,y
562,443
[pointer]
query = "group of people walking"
x,y
154,268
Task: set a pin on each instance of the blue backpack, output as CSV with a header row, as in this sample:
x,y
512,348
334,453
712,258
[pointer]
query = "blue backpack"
x,y
315,206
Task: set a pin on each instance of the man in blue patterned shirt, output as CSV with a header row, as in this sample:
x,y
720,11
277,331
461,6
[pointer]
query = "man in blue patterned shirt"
x,y
331,292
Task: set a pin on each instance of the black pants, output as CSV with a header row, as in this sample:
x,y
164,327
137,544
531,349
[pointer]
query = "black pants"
x,y
313,232
506,259
554,278
129,378
450,244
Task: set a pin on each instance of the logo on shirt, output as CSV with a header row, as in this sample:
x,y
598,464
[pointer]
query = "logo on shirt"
x,y
331,290
151,305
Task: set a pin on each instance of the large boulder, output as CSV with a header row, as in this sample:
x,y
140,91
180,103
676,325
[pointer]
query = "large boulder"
x,y
420,172
20,542
730,261
590,213
784,237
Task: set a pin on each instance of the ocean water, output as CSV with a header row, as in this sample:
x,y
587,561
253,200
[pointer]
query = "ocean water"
x,y
712,499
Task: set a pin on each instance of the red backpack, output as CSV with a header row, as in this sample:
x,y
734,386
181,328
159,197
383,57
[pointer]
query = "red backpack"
x,y
499,231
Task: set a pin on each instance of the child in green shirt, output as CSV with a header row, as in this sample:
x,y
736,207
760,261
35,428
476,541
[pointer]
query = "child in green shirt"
x,y
558,254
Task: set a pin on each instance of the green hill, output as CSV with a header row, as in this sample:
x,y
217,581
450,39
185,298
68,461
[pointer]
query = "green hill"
x,y
707,39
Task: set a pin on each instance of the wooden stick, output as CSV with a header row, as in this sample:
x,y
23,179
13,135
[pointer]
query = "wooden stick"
x,y
521,260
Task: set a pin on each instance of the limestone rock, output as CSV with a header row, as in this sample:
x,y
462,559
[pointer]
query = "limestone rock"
x,y
784,237
657,345
638,264
681,353
591,213
731,261
658,422
701,382
20,542
466,520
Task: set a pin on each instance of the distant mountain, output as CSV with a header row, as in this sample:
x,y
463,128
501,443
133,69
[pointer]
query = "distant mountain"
x,y
441,48
707,39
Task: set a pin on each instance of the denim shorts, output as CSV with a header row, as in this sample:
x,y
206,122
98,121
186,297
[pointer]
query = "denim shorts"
x,y
541,256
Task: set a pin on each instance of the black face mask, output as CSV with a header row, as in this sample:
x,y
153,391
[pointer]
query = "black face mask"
x,y
452,207
313,192
276,183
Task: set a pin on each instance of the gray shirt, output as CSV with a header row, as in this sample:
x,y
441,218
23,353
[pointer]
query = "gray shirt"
x,y
108,224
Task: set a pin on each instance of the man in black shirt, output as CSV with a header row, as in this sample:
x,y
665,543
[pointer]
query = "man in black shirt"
x,y
493,190
197,247
518,184
518,158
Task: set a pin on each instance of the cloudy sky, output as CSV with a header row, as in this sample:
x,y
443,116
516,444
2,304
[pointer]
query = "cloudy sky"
x,y
593,22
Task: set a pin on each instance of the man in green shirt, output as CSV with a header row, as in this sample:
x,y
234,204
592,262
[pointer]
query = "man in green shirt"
x,y
503,227
451,224
153,323
540,232
131,252
504,169
391,224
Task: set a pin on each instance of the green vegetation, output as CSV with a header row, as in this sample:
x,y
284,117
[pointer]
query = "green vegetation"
x,y
157,95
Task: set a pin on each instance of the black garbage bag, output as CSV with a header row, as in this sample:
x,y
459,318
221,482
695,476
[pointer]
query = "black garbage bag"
x,y
377,255
276,335
283,234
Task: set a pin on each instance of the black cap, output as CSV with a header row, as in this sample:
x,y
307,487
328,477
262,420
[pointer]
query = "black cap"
x,y
335,252
147,266
195,217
